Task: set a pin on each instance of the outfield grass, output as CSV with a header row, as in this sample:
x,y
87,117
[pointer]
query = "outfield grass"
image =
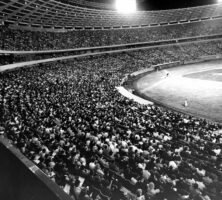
x,y
200,84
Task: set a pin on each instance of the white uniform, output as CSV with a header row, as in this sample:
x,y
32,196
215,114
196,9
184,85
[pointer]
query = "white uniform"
x,y
185,103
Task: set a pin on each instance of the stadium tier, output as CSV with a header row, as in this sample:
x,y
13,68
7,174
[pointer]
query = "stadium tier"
x,y
50,13
12,39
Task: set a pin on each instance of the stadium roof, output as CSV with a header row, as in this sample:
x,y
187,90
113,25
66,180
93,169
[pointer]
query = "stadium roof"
x,y
144,4
141,4
172,4
51,13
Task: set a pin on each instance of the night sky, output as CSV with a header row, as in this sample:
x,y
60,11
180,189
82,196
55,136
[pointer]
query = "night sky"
x,y
170,4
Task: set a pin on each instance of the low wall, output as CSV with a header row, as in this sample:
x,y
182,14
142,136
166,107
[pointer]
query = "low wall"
x,y
20,179
135,98
211,57
166,65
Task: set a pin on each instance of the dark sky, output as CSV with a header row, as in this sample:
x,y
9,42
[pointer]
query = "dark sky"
x,y
169,4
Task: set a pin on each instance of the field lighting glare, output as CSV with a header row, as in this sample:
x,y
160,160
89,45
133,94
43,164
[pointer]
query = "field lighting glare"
x,y
126,6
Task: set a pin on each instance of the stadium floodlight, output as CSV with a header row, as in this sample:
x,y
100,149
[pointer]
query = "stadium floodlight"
x,y
126,6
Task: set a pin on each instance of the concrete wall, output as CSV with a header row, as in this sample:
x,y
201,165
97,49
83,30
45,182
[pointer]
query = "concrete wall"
x,y
20,179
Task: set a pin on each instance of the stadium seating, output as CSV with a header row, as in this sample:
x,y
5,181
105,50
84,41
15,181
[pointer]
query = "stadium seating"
x,y
38,40
69,119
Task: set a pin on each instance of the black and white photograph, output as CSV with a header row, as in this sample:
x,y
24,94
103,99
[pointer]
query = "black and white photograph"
x,y
110,99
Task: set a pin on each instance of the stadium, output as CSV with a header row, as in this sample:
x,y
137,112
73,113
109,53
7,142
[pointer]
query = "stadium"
x,y
110,100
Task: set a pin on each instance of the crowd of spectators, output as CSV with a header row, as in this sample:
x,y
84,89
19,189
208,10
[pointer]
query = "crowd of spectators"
x,y
11,39
69,119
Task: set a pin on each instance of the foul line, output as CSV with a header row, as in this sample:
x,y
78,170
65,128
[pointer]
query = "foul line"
x,y
155,84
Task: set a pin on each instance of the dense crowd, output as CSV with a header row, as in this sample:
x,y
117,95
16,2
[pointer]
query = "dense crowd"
x,y
69,119
34,40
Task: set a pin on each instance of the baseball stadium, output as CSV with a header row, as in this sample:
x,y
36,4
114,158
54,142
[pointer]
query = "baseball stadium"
x,y
110,100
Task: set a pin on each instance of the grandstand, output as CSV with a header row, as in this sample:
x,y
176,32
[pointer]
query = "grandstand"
x,y
67,132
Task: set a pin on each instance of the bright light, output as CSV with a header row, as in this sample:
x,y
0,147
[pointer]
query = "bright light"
x,y
126,6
